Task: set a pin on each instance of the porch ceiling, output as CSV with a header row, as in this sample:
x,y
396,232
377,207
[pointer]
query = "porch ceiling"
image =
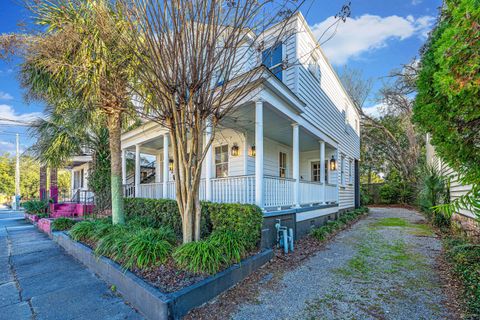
x,y
276,126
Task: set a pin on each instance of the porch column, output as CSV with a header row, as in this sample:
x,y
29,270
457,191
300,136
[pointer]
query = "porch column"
x,y
296,165
259,153
165,165
137,170
337,172
124,166
208,164
158,169
322,169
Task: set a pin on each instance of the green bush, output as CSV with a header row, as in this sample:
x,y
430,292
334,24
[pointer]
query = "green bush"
x,y
243,219
321,233
231,245
61,224
36,207
83,231
465,258
114,243
199,257
149,247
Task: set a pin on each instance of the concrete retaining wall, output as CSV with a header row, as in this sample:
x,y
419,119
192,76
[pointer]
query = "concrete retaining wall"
x,y
147,299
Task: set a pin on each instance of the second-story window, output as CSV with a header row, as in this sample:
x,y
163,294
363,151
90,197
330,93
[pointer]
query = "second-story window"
x,y
221,161
272,59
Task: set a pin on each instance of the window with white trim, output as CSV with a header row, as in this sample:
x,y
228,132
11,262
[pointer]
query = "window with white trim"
x,y
316,171
221,161
282,164
342,170
350,171
272,58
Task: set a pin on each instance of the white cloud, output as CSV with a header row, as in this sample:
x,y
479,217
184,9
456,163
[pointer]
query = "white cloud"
x,y
416,2
8,115
368,33
5,96
7,147
375,110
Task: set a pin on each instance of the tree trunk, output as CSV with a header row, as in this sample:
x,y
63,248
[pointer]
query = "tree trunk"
x,y
43,183
114,128
54,185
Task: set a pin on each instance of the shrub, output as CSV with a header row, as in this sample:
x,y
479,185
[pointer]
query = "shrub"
x,y
114,243
321,233
149,247
243,219
36,206
158,212
465,258
231,245
63,224
83,231
199,257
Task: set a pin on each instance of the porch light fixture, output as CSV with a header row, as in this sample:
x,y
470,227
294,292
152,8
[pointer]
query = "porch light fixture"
x,y
235,150
170,164
333,164
252,152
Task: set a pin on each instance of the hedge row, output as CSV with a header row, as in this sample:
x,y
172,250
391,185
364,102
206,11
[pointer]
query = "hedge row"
x,y
323,232
243,219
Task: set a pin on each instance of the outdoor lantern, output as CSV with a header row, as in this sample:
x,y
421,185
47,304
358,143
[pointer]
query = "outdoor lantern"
x,y
333,164
235,150
170,164
251,152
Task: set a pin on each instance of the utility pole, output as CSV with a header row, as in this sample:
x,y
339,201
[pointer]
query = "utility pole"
x,y
17,174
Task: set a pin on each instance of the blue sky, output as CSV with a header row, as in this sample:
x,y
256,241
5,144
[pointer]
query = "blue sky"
x,y
379,36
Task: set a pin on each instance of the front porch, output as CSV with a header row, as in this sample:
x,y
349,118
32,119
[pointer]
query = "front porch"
x,y
260,156
278,192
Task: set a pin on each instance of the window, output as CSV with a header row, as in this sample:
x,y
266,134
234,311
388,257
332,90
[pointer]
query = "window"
x,y
282,164
272,59
350,172
314,68
221,161
326,171
316,171
342,171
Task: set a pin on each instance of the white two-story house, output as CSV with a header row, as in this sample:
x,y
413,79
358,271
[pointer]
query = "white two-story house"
x,y
292,149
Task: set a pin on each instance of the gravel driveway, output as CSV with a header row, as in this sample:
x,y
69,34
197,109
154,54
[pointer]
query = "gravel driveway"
x,y
384,267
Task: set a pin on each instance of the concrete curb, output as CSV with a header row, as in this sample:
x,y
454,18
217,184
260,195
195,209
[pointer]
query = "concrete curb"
x,y
150,301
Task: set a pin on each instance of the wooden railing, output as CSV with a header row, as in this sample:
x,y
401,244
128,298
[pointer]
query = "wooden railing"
x,y
278,192
331,193
151,190
240,189
310,192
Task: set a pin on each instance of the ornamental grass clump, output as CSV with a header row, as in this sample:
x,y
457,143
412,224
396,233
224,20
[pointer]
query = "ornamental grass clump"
x,y
199,257
62,224
114,243
83,231
231,245
149,247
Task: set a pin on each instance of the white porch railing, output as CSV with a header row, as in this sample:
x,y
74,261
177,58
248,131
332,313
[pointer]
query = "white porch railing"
x,y
240,189
278,192
310,192
151,190
331,192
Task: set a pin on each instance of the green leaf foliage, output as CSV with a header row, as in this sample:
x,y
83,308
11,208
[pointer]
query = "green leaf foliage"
x,y
62,224
35,206
324,232
149,247
199,257
448,100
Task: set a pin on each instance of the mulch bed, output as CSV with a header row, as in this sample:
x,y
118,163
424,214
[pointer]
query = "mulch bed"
x,y
247,290
451,287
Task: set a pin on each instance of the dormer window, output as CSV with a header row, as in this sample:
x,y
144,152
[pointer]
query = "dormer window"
x,y
272,59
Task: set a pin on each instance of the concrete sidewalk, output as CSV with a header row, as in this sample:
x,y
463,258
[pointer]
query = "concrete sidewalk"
x,y
38,280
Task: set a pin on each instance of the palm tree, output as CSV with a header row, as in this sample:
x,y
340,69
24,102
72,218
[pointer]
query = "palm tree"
x,y
80,61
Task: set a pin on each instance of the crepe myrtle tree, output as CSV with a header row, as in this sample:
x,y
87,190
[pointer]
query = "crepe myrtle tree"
x,y
199,60
76,57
